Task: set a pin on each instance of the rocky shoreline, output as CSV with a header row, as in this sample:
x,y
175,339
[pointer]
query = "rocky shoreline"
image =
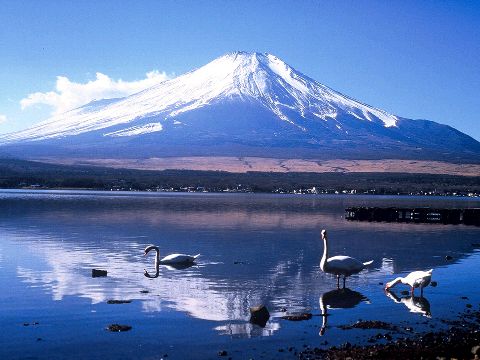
x,y
461,340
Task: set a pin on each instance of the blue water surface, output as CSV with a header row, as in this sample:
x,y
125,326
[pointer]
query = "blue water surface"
x,y
255,249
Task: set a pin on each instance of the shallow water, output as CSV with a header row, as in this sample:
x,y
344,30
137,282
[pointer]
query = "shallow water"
x,y
256,249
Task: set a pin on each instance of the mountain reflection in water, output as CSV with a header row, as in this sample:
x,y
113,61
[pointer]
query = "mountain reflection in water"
x,y
256,249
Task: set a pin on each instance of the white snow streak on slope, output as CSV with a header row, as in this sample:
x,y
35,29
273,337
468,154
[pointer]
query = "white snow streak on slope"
x,y
137,130
261,77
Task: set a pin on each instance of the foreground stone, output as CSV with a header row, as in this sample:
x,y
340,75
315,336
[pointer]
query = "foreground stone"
x,y
297,317
259,315
98,273
119,328
119,301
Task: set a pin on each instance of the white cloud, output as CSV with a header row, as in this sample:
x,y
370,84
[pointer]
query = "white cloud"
x,y
3,118
69,95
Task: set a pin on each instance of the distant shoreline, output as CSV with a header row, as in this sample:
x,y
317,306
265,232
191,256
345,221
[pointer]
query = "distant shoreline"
x,y
182,192
23,174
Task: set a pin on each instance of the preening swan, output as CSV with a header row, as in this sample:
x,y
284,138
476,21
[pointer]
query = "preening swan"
x,y
414,280
170,259
340,265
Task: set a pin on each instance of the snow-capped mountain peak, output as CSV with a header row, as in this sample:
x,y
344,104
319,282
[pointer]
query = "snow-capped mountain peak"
x,y
263,78
240,104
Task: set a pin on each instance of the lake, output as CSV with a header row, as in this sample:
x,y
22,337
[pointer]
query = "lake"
x,y
255,249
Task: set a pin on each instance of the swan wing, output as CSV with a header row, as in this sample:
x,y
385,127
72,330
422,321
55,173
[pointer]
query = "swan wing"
x,y
178,258
343,265
419,278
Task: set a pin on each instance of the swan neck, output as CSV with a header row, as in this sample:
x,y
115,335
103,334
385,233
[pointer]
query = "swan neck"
x,y
325,252
157,257
396,281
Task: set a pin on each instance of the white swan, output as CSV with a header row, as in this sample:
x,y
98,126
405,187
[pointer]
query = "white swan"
x,y
414,280
170,259
340,265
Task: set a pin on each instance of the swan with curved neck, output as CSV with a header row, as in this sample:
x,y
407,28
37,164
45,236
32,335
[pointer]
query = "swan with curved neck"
x,y
170,259
340,265
415,279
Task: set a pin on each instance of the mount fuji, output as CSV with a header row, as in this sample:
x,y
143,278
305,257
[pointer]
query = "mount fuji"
x,y
240,104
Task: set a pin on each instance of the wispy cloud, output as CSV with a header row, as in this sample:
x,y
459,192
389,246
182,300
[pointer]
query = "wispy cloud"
x,y
69,95
3,118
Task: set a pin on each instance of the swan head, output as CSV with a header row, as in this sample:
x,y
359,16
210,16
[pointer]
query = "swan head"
x,y
150,248
392,283
323,234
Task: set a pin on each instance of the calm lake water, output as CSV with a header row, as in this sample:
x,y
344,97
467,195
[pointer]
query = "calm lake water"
x,y
256,249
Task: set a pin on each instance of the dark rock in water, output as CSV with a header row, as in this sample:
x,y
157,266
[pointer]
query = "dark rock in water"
x,y
404,292
464,298
434,283
469,306
119,301
222,353
118,328
283,309
33,323
448,257
380,283
144,291
259,315
297,317
369,324
98,273
239,262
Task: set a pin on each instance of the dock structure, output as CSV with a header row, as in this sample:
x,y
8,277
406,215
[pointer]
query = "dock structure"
x,y
415,215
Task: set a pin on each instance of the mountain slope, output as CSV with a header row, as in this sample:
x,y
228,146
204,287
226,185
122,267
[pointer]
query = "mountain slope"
x,y
240,104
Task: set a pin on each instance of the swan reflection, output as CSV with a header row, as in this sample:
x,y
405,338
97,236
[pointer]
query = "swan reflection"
x,y
146,273
415,304
338,299
180,266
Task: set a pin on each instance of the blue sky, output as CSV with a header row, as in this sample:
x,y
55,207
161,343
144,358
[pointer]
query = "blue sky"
x,y
417,59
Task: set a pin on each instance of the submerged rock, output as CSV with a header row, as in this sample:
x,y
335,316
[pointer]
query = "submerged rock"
x,y
298,317
98,273
119,301
119,328
369,324
259,315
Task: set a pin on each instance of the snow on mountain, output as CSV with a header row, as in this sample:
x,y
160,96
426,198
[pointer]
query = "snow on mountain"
x,y
240,104
261,77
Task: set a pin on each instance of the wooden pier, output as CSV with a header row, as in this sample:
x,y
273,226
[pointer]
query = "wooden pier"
x,y
415,215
